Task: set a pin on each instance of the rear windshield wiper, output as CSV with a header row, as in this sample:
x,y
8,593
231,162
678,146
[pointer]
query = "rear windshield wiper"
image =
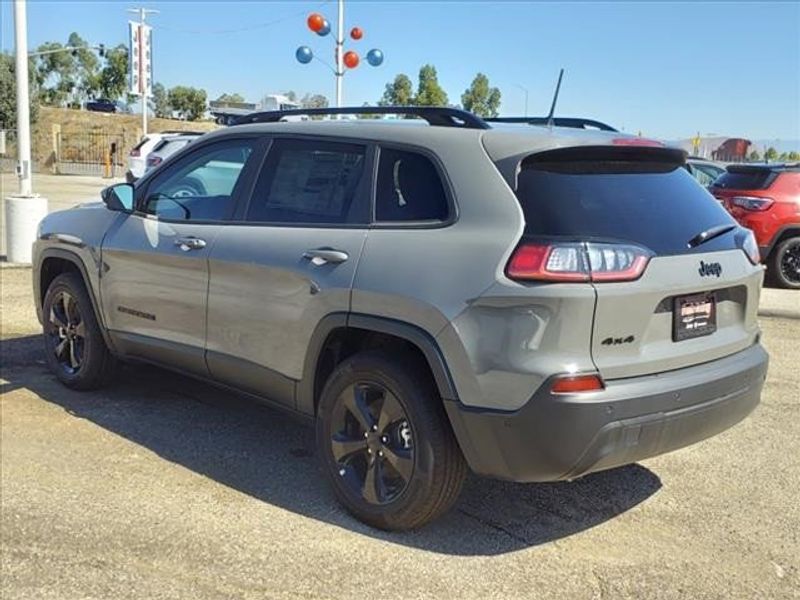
x,y
710,234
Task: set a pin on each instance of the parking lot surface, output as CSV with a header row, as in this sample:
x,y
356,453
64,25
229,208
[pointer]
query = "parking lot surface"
x,y
162,487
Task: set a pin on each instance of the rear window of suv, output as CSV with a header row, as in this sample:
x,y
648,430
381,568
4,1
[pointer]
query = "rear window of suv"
x,y
753,179
648,199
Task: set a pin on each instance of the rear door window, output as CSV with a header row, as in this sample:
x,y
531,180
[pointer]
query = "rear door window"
x,y
409,188
314,182
655,204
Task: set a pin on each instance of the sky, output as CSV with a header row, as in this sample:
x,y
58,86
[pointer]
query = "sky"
x,y
667,69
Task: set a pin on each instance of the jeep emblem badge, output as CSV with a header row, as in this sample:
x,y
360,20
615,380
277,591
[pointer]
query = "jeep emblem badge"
x,y
709,269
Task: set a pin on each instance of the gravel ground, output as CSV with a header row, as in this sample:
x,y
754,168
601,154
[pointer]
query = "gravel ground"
x,y
161,487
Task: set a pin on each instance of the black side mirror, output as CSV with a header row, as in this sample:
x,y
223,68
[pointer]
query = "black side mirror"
x,y
118,197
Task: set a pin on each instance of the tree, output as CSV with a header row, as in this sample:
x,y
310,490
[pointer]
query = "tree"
x,y
429,92
231,98
794,155
754,156
160,101
8,93
771,154
480,99
784,156
291,95
55,73
314,101
188,101
399,92
86,63
114,75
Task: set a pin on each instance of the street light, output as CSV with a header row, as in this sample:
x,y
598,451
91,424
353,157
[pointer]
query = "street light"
x,y
24,210
524,89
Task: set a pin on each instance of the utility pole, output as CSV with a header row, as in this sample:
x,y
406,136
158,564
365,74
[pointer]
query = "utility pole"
x,y
339,54
143,12
23,100
24,210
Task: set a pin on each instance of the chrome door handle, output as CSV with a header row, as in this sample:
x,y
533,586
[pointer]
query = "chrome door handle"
x,y
321,256
190,243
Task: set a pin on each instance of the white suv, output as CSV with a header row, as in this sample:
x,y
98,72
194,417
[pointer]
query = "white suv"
x,y
137,159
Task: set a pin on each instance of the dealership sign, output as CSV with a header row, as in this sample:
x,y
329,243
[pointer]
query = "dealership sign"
x,y
140,64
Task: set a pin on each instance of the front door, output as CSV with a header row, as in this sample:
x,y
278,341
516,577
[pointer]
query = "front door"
x,y
291,263
154,280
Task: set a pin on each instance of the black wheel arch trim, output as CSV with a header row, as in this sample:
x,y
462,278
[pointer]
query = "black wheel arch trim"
x,y
73,258
401,329
792,228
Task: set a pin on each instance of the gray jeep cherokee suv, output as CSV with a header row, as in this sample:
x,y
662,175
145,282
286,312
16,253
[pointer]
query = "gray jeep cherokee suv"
x,y
532,303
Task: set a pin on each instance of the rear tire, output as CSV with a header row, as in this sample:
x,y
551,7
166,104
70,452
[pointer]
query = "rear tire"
x,y
74,346
784,263
385,442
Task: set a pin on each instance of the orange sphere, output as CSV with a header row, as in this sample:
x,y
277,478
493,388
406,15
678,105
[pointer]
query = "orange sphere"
x,y
315,22
350,59
356,33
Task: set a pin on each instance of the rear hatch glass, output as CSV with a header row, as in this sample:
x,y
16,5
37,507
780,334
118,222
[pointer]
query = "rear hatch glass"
x,y
750,179
645,197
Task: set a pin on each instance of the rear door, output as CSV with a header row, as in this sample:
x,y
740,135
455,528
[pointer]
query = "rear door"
x,y
694,302
289,262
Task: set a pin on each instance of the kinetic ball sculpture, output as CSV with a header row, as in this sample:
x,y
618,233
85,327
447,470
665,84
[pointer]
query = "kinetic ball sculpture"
x,y
322,27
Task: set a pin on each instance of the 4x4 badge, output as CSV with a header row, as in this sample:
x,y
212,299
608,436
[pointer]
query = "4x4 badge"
x,y
709,269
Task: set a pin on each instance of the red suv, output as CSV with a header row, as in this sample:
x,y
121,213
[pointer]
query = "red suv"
x,y
766,199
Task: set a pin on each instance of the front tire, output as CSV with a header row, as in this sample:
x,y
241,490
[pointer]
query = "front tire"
x,y
74,346
785,263
385,443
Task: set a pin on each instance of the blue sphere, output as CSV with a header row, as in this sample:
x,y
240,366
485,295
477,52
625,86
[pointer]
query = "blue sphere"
x,y
325,29
375,57
304,55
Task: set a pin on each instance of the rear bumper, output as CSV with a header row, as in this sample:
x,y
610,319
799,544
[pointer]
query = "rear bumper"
x,y
556,437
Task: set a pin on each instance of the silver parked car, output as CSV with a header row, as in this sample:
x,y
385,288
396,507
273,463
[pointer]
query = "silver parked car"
x,y
532,303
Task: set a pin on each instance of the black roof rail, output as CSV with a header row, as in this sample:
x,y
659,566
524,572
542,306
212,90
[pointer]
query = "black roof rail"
x,y
440,116
573,122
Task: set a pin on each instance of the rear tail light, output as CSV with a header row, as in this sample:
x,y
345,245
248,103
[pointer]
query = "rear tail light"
x,y
154,161
750,248
752,202
134,152
578,261
573,384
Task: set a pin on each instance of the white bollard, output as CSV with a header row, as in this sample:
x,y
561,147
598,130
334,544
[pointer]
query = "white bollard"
x,y
22,217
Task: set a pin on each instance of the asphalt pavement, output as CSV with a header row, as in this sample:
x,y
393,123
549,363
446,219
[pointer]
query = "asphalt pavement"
x,y
162,487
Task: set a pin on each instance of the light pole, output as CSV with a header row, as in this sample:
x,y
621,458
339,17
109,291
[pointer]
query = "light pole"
x,y
23,100
524,89
23,211
339,54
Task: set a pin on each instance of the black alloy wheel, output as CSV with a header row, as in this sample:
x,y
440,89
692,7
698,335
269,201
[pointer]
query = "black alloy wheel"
x,y
67,332
372,442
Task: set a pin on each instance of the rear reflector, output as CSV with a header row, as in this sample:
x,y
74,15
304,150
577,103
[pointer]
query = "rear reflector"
x,y
573,384
578,262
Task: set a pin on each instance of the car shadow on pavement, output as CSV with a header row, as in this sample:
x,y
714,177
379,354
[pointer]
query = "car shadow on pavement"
x,y
270,456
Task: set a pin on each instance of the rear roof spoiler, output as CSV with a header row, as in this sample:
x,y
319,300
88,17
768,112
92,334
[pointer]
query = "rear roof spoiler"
x,y
572,122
